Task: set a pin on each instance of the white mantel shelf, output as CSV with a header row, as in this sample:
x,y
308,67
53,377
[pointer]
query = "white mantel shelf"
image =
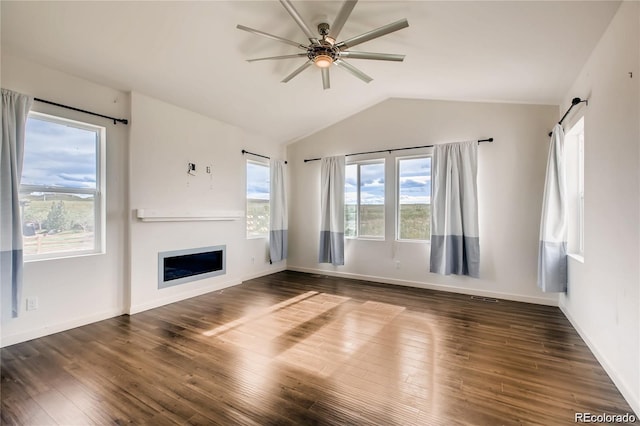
x,y
157,215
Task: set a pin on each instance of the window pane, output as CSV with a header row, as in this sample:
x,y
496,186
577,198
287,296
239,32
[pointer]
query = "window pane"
x,y
414,210
351,200
57,222
574,174
258,188
59,155
371,200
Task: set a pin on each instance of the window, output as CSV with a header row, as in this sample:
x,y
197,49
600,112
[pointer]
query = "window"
x,y
414,198
364,199
574,151
62,188
257,199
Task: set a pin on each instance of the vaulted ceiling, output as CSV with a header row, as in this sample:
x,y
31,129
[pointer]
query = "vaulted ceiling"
x,y
191,54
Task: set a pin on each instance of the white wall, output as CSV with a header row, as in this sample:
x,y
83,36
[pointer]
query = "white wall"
x,y
603,297
510,182
164,138
80,290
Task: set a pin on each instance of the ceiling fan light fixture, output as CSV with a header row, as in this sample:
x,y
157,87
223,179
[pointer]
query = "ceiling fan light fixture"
x,y
323,61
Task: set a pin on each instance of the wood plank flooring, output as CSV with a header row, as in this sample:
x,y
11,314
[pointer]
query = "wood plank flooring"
x,y
294,349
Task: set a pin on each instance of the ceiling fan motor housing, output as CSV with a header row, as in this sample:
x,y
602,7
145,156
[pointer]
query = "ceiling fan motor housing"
x,y
325,47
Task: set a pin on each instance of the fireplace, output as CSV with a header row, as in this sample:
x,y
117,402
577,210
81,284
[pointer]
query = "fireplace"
x,y
182,266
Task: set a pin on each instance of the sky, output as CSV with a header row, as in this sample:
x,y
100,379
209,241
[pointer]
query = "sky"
x,y
414,173
414,176
59,155
64,156
257,181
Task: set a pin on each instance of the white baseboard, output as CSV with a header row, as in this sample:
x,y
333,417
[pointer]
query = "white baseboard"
x,y
12,339
177,297
265,272
46,330
200,291
618,379
431,286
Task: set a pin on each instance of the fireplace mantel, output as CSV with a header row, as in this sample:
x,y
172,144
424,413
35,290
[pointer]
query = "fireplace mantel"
x,y
168,215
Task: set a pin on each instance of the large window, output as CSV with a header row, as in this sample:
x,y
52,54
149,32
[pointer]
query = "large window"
x,y
364,199
414,198
62,188
574,152
257,199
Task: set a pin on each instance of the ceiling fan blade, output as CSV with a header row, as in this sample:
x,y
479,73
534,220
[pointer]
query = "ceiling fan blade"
x,y
353,70
371,55
341,18
303,25
296,55
378,32
297,71
325,78
271,36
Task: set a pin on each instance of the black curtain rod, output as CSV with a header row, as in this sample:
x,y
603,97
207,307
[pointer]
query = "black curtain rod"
x,y
393,149
244,151
115,120
574,102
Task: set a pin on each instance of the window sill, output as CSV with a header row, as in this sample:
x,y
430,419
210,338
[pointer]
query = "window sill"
x,y
61,256
577,257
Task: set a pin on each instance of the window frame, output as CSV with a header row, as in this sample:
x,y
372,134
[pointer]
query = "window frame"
x,y
397,203
266,164
581,191
574,170
358,164
99,192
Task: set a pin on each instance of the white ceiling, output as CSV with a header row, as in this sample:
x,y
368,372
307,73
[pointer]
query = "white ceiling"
x,y
190,53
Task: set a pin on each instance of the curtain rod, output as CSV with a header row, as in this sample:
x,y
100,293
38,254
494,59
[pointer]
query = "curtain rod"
x,y
115,120
574,102
244,151
392,149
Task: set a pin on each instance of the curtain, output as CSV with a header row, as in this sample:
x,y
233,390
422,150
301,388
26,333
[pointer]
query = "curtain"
x,y
455,244
15,108
332,210
552,255
278,212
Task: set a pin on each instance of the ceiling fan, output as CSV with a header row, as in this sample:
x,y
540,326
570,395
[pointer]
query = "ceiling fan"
x,y
325,51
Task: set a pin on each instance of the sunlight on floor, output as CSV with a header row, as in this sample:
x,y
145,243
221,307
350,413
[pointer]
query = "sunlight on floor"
x,y
320,355
313,331
261,313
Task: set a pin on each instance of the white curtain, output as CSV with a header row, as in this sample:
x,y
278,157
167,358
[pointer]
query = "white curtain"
x,y
552,255
278,224
332,210
455,243
15,108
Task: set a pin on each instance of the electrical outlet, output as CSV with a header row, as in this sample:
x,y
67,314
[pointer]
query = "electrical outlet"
x,y
397,264
208,169
32,303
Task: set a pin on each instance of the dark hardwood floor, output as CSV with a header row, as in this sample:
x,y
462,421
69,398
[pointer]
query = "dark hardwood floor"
x,y
292,348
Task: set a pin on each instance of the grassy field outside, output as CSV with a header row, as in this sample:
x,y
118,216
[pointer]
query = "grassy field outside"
x,y
415,221
57,223
257,218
